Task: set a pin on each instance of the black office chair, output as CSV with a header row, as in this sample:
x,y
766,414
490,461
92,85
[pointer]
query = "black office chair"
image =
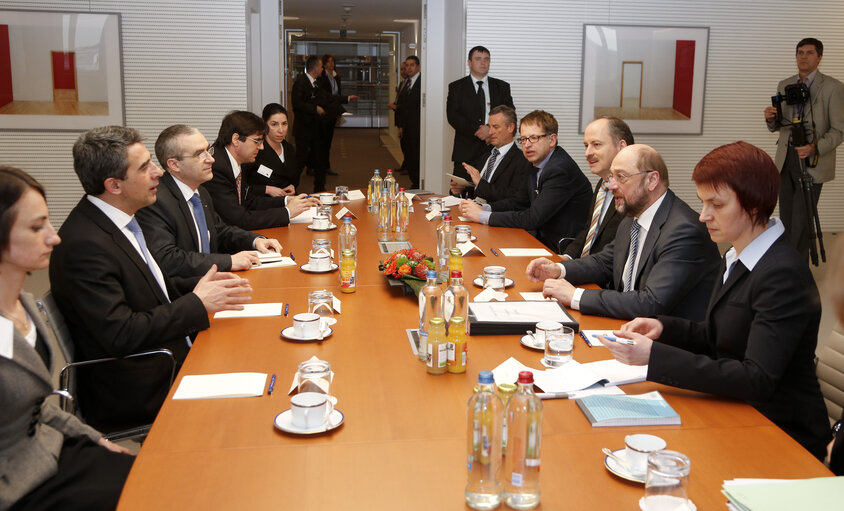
x,y
67,377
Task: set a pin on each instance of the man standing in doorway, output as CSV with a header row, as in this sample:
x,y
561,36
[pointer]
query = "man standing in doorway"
x,y
823,124
310,106
469,101
408,107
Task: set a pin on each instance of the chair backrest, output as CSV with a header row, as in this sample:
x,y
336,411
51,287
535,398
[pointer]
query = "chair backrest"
x,y
61,333
831,372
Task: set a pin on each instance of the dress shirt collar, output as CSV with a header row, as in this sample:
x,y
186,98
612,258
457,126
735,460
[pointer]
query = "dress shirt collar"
x,y
235,165
485,81
117,217
503,149
809,80
186,190
647,216
542,164
310,78
754,251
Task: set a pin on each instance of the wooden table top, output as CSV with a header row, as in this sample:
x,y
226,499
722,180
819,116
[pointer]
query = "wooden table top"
x,y
403,442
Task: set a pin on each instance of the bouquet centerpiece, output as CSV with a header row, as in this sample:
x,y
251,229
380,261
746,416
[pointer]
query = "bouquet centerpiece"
x,y
409,266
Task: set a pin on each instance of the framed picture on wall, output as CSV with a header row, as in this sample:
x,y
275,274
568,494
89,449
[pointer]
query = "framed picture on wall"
x,y
60,70
653,77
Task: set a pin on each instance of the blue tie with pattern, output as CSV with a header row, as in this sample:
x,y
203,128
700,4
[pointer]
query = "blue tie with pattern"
x,y
199,214
634,250
139,236
491,164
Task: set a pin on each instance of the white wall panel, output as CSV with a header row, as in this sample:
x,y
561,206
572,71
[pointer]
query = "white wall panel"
x,y
537,47
183,62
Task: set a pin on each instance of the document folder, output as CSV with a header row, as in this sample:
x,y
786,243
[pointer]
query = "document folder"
x,y
501,318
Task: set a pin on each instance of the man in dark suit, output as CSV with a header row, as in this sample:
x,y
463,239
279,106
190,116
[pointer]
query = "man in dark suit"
x,y
824,114
603,138
114,297
394,107
468,107
331,82
504,169
555,203
183,231
408,107
661,261
241,136
313,109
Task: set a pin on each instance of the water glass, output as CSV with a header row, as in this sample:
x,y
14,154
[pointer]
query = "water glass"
x,y
435,203
321,246
315,376
666,482
464,233
494,277
558,346
321,302
342,193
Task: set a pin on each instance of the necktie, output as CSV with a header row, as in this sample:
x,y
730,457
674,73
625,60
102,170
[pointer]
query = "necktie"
x,y
534,183
596,215
490,164
139,236
199,213
729,271
237,182
634,250
481,102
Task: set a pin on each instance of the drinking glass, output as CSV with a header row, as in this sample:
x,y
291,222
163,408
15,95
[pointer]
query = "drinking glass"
x,y
322,302
342,193
494,277
464,233
558,346
667,481
315,376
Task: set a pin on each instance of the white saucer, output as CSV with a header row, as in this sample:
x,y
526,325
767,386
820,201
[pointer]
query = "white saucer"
x,y
690,506
307,267
620,470
311,227
289,334
529,342
332,203
545,364
479,281
284,422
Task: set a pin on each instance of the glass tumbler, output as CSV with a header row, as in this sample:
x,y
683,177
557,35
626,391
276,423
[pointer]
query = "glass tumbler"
x,y
494,277
667,481
321,302
342,194
315,376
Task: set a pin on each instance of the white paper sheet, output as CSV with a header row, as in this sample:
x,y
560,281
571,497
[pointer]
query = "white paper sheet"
x,y
450,201
535,296
524,252
269,257
285,261
567,378
459,180
206,386
356,195
340,214
617,373
591,336
253,310
508,371
596,389
435,213
305,217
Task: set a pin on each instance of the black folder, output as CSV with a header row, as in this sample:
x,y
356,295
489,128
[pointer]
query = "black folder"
x,y
514,323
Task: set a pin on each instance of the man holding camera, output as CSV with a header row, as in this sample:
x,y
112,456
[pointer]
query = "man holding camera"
x,y
819,120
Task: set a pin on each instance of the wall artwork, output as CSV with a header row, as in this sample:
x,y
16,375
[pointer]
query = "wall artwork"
x,y
60,70
653,77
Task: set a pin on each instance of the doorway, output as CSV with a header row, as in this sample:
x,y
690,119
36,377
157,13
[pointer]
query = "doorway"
x,y
632,72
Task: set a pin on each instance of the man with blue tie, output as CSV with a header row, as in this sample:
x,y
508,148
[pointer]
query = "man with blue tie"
x,y
183,231
115,299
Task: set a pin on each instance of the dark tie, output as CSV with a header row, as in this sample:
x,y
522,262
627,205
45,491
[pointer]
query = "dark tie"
x,y
139,236
634,250
199,214
490,164
481,102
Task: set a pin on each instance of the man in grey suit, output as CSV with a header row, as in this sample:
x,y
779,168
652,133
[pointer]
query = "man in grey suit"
x,y
662,260
823,115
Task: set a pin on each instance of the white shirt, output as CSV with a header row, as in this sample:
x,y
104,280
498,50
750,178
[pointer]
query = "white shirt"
x,y
187,193
485,81
235,164
32,335
502,151
412,80
121,220
756,248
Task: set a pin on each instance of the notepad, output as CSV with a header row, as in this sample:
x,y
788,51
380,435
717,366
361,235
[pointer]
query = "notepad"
x,y
617,373
269,257
638,410
450,201
591,336
284,261
253,310
524,252
779,495
356,195
212,386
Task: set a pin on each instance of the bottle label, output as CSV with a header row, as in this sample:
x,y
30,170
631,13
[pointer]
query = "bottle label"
x,y
531,462
464,353
430,359
442,355
451,352
516,479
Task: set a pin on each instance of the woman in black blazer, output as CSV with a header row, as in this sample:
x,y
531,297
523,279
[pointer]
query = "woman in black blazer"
x,y
274,168
49,459
758,340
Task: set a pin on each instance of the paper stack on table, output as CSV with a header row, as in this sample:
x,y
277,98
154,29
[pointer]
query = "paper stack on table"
x,y
570,377
306,217
450,201
525,252
284,261
253,310
205,386
784,494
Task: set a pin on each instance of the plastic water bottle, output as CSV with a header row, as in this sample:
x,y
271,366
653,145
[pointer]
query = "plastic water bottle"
x,y
456,298
373,192
446,240
524,435
391,184
348,235
401,229
485,414
430,306
385,217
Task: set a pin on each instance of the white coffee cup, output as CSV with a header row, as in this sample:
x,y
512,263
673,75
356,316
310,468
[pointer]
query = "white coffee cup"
x,y
638,447
307,325
319,262
321,222
544,327
326,198
310,409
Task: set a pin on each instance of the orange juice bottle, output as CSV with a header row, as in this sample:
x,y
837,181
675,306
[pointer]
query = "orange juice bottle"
x,y
457,348
437,359
348,272
455,262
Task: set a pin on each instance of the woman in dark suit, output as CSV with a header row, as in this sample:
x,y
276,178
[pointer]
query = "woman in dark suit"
x,y
275,166
49,459
758,340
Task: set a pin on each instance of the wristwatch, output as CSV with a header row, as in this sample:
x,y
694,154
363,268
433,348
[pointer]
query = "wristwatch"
x,y
836,428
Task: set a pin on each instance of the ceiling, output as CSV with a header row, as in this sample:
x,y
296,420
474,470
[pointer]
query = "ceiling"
x,y
367,17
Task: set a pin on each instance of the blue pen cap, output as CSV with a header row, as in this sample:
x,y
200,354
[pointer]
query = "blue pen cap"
x,y
432,274
485,377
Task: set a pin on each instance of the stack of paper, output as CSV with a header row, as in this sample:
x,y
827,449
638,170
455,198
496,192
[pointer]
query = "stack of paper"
x,y
253,310
305,217
641,410
205,386
785,495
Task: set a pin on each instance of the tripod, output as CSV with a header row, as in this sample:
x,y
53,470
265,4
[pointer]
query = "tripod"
x,y
798,137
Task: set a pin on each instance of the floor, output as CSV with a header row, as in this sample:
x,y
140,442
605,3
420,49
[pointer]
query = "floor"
x,y
636,113
55,108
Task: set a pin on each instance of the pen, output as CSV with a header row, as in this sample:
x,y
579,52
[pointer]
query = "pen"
x,y
553,395
272,384
291,257
493,251
628,342
286,308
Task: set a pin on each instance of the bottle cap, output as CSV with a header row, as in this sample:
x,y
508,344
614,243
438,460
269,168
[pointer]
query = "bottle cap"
x,y
457,320
525,377
401,189
377,171
485,377
347,252
347,218
507,389
456,274
432,274
456,252
447,217
389,171
437,321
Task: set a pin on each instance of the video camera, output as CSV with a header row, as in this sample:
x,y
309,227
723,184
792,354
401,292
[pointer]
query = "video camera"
x,y
795,94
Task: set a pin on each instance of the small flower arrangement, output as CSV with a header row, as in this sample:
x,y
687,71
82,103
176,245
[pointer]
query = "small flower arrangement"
x,y
408,264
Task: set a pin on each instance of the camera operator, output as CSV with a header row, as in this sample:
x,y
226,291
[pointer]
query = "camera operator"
x,y
823,122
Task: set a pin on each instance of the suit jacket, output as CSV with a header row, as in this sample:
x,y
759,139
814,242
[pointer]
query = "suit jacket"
x,y
408,107
553,209
511,175
339,99
254,210
676,271
827,112
462,112
307,123
283,174
757,344
114,307
606,229
27,461
170,233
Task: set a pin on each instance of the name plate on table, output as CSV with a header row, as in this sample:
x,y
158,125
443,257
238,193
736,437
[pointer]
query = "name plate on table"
x,y
500,318
388,247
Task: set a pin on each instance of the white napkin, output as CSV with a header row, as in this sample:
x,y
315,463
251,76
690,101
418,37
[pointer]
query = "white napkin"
x,y
467,247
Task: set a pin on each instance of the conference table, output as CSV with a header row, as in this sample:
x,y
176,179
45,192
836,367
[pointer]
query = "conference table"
x,y
402,444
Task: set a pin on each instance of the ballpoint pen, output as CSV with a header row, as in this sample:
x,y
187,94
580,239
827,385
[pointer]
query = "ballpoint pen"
x,y
493,251
272,385
553,395
629,342
292,258
286,309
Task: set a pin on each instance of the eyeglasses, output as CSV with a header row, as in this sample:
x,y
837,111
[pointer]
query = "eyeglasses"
x,y
257,141
202,155
533,139
622,178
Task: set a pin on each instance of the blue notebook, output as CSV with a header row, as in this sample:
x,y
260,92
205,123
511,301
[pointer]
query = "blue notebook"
x,y
641,410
